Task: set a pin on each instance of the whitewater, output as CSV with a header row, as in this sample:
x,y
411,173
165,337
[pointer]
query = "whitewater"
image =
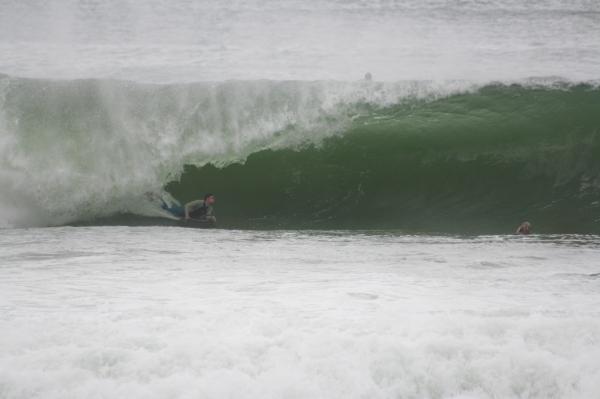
x,y
371,161
165,312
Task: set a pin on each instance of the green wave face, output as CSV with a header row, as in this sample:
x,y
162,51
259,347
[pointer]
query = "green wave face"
x,y
471,163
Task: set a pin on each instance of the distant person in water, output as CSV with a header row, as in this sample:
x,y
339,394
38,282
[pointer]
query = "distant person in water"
x,y
524,228
201,209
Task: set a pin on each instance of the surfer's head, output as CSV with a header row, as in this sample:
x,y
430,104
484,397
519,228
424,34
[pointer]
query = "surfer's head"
x,y
209,199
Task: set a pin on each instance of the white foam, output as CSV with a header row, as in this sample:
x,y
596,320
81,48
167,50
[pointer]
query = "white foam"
x,y
154,313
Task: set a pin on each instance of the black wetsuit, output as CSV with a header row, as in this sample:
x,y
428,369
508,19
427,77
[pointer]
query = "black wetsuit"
x,y
203,212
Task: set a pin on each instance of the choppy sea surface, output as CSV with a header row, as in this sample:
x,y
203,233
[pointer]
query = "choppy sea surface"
x,y
157,312
363,121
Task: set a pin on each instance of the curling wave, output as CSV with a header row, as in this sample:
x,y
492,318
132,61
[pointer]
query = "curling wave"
x,y
422,156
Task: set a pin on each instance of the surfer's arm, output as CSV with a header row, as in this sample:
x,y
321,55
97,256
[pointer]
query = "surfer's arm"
x,y
190,206
210,215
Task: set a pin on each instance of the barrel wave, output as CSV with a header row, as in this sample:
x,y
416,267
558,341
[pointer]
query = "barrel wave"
x,y
453,157
478,162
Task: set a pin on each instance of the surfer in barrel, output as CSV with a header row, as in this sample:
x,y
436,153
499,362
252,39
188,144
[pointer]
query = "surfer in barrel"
x,y
195,211
201,210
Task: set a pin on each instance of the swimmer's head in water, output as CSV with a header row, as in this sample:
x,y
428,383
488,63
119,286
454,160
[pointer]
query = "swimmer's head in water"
x,y
524,228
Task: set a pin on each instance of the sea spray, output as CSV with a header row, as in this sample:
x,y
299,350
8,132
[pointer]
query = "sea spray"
x,y
88,148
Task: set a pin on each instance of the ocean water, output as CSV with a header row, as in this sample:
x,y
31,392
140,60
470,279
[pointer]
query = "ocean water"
x,y
108,312
478,114
165,41
370,160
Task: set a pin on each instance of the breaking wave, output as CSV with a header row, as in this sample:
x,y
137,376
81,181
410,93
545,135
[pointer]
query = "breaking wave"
x,y
423,156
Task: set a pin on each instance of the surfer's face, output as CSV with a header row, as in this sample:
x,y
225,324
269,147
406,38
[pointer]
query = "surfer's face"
x,y
210,200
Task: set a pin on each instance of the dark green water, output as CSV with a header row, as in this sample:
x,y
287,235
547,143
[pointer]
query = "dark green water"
x,y
471,163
